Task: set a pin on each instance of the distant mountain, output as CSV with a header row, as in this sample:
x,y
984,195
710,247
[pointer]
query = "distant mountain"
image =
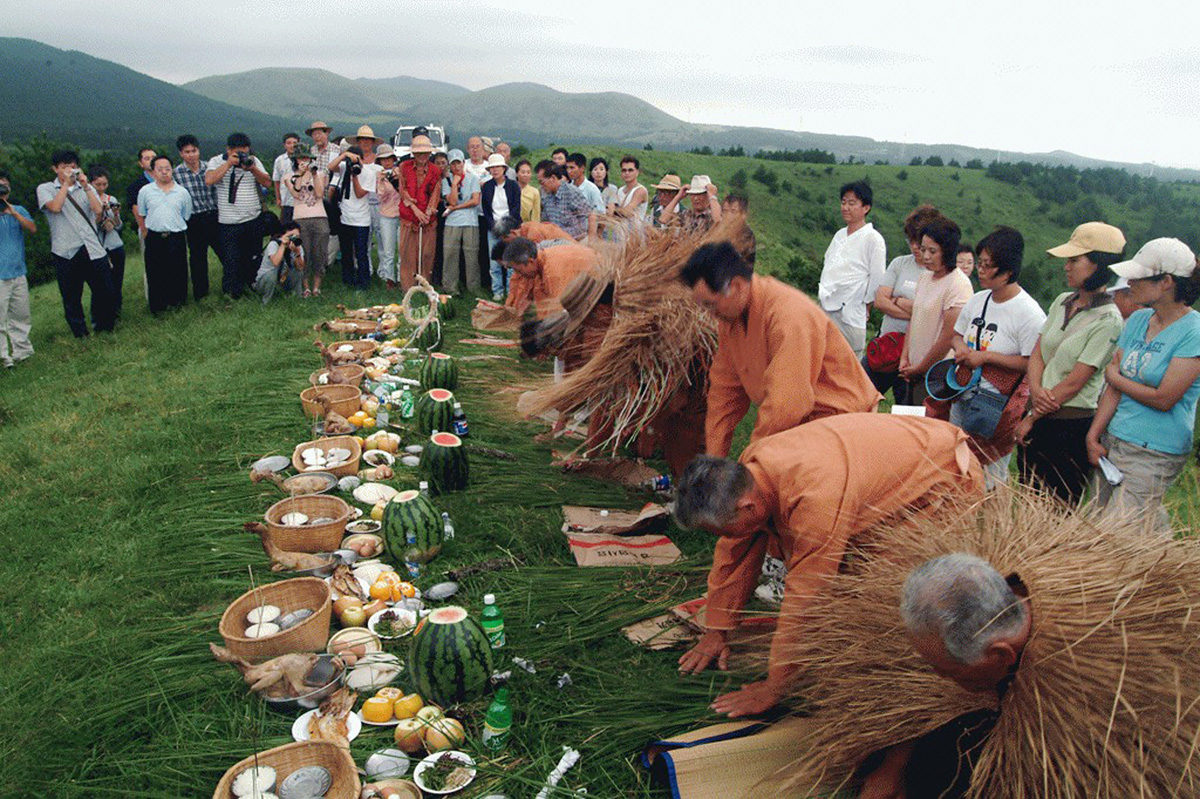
x,y
99,104
95,103
320,94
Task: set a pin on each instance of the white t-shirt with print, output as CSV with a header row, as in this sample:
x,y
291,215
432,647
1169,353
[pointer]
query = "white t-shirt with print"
x,y
1005,328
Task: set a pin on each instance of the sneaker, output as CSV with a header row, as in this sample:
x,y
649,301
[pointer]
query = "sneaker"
x,y
497,298
770,593
307,294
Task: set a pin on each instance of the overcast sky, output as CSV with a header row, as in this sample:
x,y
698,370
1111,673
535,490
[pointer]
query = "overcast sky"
x,y
1106,80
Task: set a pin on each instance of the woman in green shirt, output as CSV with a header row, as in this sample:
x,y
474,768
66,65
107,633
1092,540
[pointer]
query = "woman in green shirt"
x,y
1066,369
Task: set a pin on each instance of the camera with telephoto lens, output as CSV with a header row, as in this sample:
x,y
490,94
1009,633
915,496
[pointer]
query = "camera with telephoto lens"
x,y
355,167
291,239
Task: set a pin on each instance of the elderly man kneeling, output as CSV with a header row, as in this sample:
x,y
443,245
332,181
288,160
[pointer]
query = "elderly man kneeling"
x,y
808,491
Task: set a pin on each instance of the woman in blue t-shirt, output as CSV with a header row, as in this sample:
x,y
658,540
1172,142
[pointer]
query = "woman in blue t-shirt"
x,y
1147,413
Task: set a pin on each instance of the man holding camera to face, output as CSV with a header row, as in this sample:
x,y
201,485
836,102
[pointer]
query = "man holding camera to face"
x,y
15,320
71,205
355,180
237,174
282,265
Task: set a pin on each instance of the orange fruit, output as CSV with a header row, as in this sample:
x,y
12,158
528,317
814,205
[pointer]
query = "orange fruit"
x,y
380,589
368,423
390,577
407,591
377,709
406,707
390,693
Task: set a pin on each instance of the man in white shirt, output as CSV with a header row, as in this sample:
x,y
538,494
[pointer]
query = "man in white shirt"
x,y
280,171
854,266
237,173
355,181
577,172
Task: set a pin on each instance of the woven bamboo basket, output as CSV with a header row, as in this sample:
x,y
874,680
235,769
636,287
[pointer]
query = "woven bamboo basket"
x,y
342,399
363,348
359,326
290,757
352,374
309,635
308,537
326,444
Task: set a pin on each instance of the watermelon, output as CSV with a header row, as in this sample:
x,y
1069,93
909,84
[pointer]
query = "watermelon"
x,y
439,371
447,309
430,338
434,411
444,463
412,527
450,657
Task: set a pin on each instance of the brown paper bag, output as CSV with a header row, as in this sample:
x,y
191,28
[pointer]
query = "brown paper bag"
x,y
494,316
650,519
661,632
636,550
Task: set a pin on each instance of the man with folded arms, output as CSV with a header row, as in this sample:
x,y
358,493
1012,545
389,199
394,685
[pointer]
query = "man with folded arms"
x,y
166,207
563,204
806,492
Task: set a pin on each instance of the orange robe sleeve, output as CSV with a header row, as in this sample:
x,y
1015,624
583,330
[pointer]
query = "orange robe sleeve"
x,y
727,402
737,563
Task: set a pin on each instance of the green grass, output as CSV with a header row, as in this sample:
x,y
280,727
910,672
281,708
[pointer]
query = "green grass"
x,y
125,464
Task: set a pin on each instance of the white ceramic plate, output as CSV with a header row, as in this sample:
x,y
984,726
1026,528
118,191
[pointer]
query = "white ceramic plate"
x,y
424,765
366,589
370,493
353,726
274,463
358,714
406,616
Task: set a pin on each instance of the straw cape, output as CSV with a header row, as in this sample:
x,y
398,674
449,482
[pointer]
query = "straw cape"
x,y
658,343
1105,702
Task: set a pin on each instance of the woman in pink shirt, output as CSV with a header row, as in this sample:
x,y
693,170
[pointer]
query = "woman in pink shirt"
x,y
388,191
307,187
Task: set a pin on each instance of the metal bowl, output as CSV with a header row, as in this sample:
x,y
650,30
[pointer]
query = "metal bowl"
x,y
331,481
321,571
315,697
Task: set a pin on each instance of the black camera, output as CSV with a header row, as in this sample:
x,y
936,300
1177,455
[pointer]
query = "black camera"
x,y
3,205
292,239
4,190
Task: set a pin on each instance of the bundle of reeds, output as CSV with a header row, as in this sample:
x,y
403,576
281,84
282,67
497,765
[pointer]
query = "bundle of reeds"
x,y
1106,700
657,337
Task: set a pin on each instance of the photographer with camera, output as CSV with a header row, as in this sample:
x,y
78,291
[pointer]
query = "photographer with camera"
x,y
387,189
282,266
237,174
71,206
306,184
109,222
166,207
280,172
15,320
353,181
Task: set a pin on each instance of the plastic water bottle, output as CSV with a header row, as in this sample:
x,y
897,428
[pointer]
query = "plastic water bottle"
x,y
660,483
498,721
458,422
382,415
447,527
492,621
423,487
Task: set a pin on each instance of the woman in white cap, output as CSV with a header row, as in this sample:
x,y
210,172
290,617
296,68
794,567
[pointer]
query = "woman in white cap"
x,y
1147,414
1066,368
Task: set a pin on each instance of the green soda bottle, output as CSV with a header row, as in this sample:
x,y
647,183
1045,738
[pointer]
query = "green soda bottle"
x,y
497,722
407,403
492,621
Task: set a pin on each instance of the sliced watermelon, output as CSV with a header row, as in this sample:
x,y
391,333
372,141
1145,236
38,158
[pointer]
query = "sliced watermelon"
x,y
435,411
450,658
439,371
444,463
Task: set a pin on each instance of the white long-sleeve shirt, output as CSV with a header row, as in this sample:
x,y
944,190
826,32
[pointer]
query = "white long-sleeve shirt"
x,y
854,267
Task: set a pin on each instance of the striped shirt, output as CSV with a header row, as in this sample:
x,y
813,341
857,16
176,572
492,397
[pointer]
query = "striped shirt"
x,y
204,197
246,205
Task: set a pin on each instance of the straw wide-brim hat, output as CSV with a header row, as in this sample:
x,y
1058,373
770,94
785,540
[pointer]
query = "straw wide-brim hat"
x,y
318,125
669,183
365,132
421,144
385,151
495,159
699,185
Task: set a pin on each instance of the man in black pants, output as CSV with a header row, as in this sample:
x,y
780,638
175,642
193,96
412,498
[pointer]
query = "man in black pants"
x,y
237,173
202,227
166,207
71,206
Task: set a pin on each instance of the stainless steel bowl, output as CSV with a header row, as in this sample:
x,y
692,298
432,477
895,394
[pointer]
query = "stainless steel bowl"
x,y
315,697
321,571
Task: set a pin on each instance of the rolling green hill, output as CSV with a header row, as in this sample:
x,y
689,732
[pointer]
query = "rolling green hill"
x,y
95,103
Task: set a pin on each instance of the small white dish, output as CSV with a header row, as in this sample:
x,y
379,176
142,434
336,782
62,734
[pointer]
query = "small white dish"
x,y
300,726
371,493
407,617
427,763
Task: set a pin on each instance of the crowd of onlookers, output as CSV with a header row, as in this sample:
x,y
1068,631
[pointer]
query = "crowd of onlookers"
x,y
1100,387
1108,375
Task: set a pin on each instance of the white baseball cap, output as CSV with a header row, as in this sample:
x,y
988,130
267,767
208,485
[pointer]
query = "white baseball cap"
x,y
1120,285
1158,257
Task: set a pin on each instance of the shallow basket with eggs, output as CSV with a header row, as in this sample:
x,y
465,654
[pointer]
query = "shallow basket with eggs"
x,y
343,400
325,444
290,757
309,635
350,374
363,348
324,537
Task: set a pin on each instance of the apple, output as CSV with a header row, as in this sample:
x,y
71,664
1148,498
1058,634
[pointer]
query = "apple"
x,y
353,616
408,735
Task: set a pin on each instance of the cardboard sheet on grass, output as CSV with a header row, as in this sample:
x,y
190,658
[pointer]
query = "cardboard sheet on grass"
x,y
684,624
733,760
494,316
600,537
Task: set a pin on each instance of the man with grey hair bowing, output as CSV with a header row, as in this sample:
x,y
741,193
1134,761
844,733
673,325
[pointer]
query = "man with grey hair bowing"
x,y
807,491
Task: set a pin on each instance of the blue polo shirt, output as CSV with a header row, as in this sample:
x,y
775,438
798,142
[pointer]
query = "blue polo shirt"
x,y
12,244
1146,362
165,211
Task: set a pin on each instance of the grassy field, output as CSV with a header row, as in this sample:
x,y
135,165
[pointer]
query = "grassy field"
x,y
125,464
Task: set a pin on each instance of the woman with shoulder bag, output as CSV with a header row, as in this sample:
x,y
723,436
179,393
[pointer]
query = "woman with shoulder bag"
x,y
995,334
108,225
307,187
1145,421
1066,369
